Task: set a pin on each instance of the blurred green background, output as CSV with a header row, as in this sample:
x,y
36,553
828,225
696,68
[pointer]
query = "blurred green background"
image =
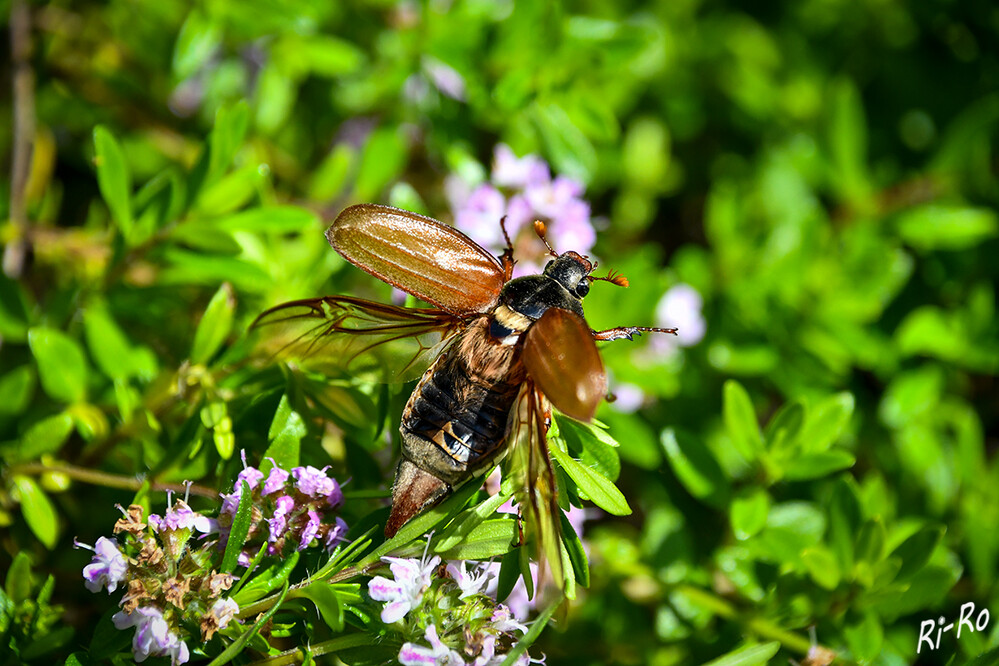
x,y
822,173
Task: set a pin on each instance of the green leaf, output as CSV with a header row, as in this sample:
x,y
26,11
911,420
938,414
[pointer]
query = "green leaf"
x,y
269,220
940,227
740,420
383,159
214,326
791,528
491,538
17,584
696,468
239,530
61,364
226,138
108,345
826,422
748,513
819,464
571,152
463,525
16,388
46,436
751,655
596,448
599,489
328,56
822,566
574,548
916,551
285,436
267,581
114,179
848,141
871,542
198,39
783,429
865,639
327,602
38,511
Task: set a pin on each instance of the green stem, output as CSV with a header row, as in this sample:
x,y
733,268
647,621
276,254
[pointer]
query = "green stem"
x,y
106,480
332,646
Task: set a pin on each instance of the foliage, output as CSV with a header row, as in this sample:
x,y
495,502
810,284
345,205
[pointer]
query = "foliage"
x,y
813,182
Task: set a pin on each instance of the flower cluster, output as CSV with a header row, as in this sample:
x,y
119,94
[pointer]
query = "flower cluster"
x,y
172,582
289,509
167,584
523,190
449,617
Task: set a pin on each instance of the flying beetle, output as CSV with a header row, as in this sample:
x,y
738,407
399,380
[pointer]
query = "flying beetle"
x,y
500,351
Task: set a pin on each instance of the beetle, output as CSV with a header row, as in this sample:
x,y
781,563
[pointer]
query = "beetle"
x,y
500,352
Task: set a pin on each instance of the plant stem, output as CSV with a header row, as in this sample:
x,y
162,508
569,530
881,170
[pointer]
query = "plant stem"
x,y
111,480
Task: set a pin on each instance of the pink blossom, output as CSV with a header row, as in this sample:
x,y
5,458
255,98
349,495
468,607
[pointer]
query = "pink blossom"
x,y
405,592
439,654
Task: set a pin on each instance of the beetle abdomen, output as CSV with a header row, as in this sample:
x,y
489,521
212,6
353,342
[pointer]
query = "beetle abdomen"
x,y
456,420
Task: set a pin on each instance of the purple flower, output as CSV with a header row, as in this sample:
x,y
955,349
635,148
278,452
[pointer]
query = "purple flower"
x,y
512,171
309,531
533,195
313,482
681,307
404,593
153,636
107,568
470,582
336,534
437,654
251,475
480,216
283,506
276,479
180,517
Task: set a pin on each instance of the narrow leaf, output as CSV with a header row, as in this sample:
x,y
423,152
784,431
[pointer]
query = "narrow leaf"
x,y
113,178
600,490
214,326
740,420
751,655
327,603
239,530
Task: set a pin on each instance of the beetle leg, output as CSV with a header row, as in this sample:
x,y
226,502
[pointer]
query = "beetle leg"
x,y
507,256
622,332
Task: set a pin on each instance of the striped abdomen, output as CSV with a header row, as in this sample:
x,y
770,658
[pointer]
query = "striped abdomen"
x,y
456,419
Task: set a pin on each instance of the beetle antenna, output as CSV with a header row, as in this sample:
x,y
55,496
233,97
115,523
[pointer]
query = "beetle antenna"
x,y
541,229
613,278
